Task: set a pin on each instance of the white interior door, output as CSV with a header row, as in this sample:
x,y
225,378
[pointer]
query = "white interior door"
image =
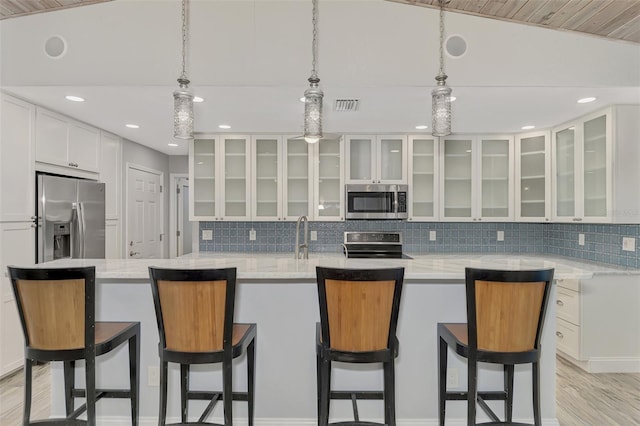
x,y
144,218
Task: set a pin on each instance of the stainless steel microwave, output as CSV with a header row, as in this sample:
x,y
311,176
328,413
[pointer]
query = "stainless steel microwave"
x,y
376,201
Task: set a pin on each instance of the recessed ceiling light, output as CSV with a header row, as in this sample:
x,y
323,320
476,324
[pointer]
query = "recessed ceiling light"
x,y
198,99
74,98
586,100
132,126
172,144
395,151
224,126
421,127
528,127
452,98
302,99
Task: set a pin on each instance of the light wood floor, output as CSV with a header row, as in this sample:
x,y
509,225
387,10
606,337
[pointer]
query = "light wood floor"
x,y
583,399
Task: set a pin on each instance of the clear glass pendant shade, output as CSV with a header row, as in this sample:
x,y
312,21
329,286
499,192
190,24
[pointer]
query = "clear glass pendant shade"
x,y
183,112
441,111
313,114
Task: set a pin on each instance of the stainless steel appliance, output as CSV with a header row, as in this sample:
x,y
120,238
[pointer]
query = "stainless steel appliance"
x,y
70,219
386,245
376,201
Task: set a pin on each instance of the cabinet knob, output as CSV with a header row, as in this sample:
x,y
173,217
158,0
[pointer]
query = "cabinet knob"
x,y
133,253
559,303
33,225
546,219
559,334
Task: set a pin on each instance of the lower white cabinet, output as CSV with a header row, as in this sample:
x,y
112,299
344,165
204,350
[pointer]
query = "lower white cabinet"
x,y
17,247
598,321
112,240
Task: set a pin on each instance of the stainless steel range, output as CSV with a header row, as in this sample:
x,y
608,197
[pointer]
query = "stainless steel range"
x,y
386,245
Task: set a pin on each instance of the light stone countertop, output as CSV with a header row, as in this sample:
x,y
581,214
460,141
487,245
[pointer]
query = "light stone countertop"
x,y
283,266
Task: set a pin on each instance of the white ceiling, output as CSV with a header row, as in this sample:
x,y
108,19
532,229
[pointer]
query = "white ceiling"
x,y
250,61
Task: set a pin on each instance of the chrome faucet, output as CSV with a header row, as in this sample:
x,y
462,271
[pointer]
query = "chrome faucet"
x,y
305,245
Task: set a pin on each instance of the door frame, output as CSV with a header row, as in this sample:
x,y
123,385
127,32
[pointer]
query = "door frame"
x,y
130,166
173,216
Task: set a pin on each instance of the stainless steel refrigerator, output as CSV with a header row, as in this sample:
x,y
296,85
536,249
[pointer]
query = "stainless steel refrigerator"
x,y
71,218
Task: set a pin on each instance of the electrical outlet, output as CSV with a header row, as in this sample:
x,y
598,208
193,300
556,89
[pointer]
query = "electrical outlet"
x,y
628,244
252,235
207,234
580,239
432,235
452,377
500,236
153,376
313,235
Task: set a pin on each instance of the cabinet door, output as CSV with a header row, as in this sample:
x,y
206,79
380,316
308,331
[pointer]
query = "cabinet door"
x,y
422,178
391,154
202,175
267,178
83,149
496,184
457,183
111,173
361,159
112,245
298,190
52,133
565,164
17,177
596,173
533,183
329,193
236,187
17,247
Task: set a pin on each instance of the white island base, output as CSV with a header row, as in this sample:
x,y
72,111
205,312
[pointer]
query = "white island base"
x,y
280,295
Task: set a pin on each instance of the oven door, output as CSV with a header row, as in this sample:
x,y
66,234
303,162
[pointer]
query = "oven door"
x,y
364,203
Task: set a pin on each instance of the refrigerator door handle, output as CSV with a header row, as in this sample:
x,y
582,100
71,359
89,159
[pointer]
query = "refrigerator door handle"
x,y
75,252
81,229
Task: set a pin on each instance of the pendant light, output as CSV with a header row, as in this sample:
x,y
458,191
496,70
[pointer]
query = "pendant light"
x,y
441,95
313,95
182,97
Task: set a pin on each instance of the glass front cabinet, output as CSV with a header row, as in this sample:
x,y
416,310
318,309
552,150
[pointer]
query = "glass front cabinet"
x,y
533,177
423,178
328,202
477,178
376,159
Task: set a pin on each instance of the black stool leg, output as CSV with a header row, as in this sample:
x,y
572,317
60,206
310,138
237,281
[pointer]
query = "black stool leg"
x,y
251,379
536,393
26,416
508,387
389,393
227,390
184,391
325,392
472,390
162,415
134,375
69,384
442,379
318,383
90,377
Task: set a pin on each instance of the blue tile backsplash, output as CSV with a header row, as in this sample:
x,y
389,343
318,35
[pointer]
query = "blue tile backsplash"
x,y
603,243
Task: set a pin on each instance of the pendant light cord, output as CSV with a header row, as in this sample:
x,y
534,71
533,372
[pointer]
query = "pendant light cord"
x,y
442,37
314,43
185,30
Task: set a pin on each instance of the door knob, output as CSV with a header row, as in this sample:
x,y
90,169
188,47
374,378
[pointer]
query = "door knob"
x,y
133,253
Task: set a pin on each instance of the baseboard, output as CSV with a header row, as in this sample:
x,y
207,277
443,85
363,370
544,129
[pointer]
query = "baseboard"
x,y
606,365
153,421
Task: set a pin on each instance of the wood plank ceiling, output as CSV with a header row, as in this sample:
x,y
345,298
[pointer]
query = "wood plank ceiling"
x,y
614,19
15,8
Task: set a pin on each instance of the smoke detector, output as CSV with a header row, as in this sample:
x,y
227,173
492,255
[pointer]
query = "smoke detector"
x,y
344,105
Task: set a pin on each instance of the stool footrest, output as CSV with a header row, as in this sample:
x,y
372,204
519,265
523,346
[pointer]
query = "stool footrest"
x,y
103,393
487,396
358,394
207,395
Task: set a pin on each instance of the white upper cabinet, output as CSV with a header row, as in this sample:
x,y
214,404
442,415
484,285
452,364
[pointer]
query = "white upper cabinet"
x,y
203,170
533,177
17,176
587,185
236,169
477,178
329,197
423,178
298,179
266,178
111,173
64,142
376,159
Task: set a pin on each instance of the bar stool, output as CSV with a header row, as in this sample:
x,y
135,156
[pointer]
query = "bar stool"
x,y
358,321
194,309
505,314
57,313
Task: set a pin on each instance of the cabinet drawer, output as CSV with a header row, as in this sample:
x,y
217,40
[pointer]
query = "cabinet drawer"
x,y
568,305
568,338
570,284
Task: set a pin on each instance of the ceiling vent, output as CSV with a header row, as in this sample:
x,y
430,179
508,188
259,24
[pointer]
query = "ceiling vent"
x,y
343,105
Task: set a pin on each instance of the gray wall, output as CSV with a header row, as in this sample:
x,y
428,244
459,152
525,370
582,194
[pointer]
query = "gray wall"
x,y
179,164
134,153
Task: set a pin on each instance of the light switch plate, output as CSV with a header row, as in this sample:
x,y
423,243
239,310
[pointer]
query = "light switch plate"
x,y
500,235
628,244
580,239
313,235
252,235
432,235
207,234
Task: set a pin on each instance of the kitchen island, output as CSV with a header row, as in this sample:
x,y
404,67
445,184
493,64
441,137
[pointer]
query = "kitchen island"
x,y
279,294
